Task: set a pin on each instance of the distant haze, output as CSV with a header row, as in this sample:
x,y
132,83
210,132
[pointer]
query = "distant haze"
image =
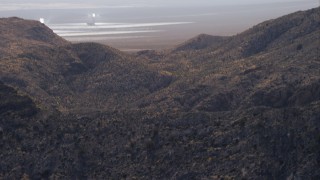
x,y
56,4
141,24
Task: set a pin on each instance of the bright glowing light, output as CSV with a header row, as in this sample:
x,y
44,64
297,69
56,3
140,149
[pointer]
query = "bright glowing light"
x,y
41,20
93,15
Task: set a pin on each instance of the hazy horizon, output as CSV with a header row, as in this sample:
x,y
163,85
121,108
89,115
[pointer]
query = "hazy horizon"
x,y
151,23
74,4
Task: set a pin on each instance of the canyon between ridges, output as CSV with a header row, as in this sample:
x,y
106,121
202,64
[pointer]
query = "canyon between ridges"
x,y
234,107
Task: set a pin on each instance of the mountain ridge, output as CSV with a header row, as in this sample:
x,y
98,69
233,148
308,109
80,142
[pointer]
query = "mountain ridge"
x,y
201,41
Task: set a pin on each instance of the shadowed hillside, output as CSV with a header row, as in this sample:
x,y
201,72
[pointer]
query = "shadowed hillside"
x,y
14,104
239,107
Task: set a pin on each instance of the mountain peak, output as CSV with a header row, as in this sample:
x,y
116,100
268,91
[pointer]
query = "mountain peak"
x,y
18,29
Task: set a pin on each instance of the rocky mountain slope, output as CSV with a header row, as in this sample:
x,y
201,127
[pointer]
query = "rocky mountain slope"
x,y
239,107
60,75
226,76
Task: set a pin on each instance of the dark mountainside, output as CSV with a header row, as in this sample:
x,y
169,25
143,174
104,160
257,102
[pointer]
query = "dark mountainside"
x,y
239,107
